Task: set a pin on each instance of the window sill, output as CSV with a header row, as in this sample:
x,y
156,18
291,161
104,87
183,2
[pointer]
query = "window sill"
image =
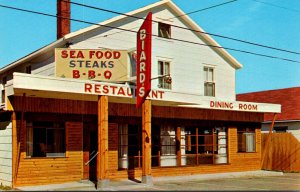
x,y
49,157
246,152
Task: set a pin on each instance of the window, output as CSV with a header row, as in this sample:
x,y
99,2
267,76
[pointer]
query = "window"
x,y
246,140
164,30
163,69
206,145
166,146
181,146
28,69
130,146
45,139
209,84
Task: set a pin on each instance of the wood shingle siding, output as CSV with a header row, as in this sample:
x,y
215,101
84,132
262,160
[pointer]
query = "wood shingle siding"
x,y
46,170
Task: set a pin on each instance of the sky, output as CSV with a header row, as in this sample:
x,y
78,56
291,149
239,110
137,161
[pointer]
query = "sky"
x,y
274,23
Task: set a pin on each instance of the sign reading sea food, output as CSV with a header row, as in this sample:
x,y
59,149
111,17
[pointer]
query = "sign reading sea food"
x,y
92,64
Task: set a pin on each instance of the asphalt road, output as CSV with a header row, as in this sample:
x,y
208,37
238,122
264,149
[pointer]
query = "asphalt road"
x,y
286,182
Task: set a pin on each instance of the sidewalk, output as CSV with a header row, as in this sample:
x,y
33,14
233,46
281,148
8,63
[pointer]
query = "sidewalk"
x,y
250,180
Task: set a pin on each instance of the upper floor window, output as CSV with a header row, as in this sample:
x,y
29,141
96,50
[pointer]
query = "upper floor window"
x,y
209,84
164,30
163,69
246,140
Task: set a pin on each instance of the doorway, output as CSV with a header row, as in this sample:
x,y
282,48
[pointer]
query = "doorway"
x,y
90,149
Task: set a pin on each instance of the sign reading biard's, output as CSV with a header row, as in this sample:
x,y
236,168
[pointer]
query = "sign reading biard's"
x,y
93,64
143,71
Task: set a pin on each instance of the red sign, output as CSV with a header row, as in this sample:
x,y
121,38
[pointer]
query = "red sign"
x,y
143,71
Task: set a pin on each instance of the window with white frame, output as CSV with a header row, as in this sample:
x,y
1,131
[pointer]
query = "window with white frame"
x,y
246,140
163,69
164,30
209,84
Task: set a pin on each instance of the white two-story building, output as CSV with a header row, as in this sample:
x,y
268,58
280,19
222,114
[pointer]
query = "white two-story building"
x,y
68,109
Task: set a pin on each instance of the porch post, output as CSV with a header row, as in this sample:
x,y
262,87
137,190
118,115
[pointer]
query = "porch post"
x,y
14,148
102,158
146,143
178,145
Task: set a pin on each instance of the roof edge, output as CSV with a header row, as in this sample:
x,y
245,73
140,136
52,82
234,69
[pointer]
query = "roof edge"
x,y
114,19
206,37
31,55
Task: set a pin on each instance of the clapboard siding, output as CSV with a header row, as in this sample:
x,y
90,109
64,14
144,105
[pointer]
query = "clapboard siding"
x,y
6,154
37,171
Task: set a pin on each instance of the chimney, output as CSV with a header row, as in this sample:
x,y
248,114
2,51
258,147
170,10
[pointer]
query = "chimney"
x,y
63,18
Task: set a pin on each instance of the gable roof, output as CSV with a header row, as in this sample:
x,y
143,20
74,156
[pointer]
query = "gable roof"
x,y
205,37
289,98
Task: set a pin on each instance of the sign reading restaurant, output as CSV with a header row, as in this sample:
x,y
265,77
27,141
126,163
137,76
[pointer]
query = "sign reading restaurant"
x,y
119,90
92,64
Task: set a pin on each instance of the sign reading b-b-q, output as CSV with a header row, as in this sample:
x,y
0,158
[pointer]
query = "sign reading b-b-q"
x,y
96,64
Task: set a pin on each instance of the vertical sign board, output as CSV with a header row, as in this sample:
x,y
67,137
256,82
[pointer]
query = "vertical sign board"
x,y
143,72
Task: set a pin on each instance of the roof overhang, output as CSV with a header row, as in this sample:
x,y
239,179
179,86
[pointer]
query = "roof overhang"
x,y
60,42
27,58
73,89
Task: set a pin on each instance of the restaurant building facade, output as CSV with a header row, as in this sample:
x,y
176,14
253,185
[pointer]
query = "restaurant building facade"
x,y
68,110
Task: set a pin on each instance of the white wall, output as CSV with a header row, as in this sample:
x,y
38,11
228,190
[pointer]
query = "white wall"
x,y
46,67
6,154
187,60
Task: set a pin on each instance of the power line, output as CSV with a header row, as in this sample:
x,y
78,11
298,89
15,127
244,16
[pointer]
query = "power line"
x,y
211,34
180,40
204,9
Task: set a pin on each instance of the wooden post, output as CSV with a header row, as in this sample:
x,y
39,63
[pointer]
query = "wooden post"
x,y
146,142
213,145
232,143
23,126
102,158
178,145
197,151
268,144
14,147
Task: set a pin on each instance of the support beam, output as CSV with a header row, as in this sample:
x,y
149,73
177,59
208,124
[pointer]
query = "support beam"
x,y
268,144
178,145
146,143
14,148
102,159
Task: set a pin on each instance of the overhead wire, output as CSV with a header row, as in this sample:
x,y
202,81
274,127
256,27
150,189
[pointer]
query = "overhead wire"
x,y
128,30
204,9
193,30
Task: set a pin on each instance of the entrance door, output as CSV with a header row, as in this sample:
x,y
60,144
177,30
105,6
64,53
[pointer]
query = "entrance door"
x,y
90,149
93,157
